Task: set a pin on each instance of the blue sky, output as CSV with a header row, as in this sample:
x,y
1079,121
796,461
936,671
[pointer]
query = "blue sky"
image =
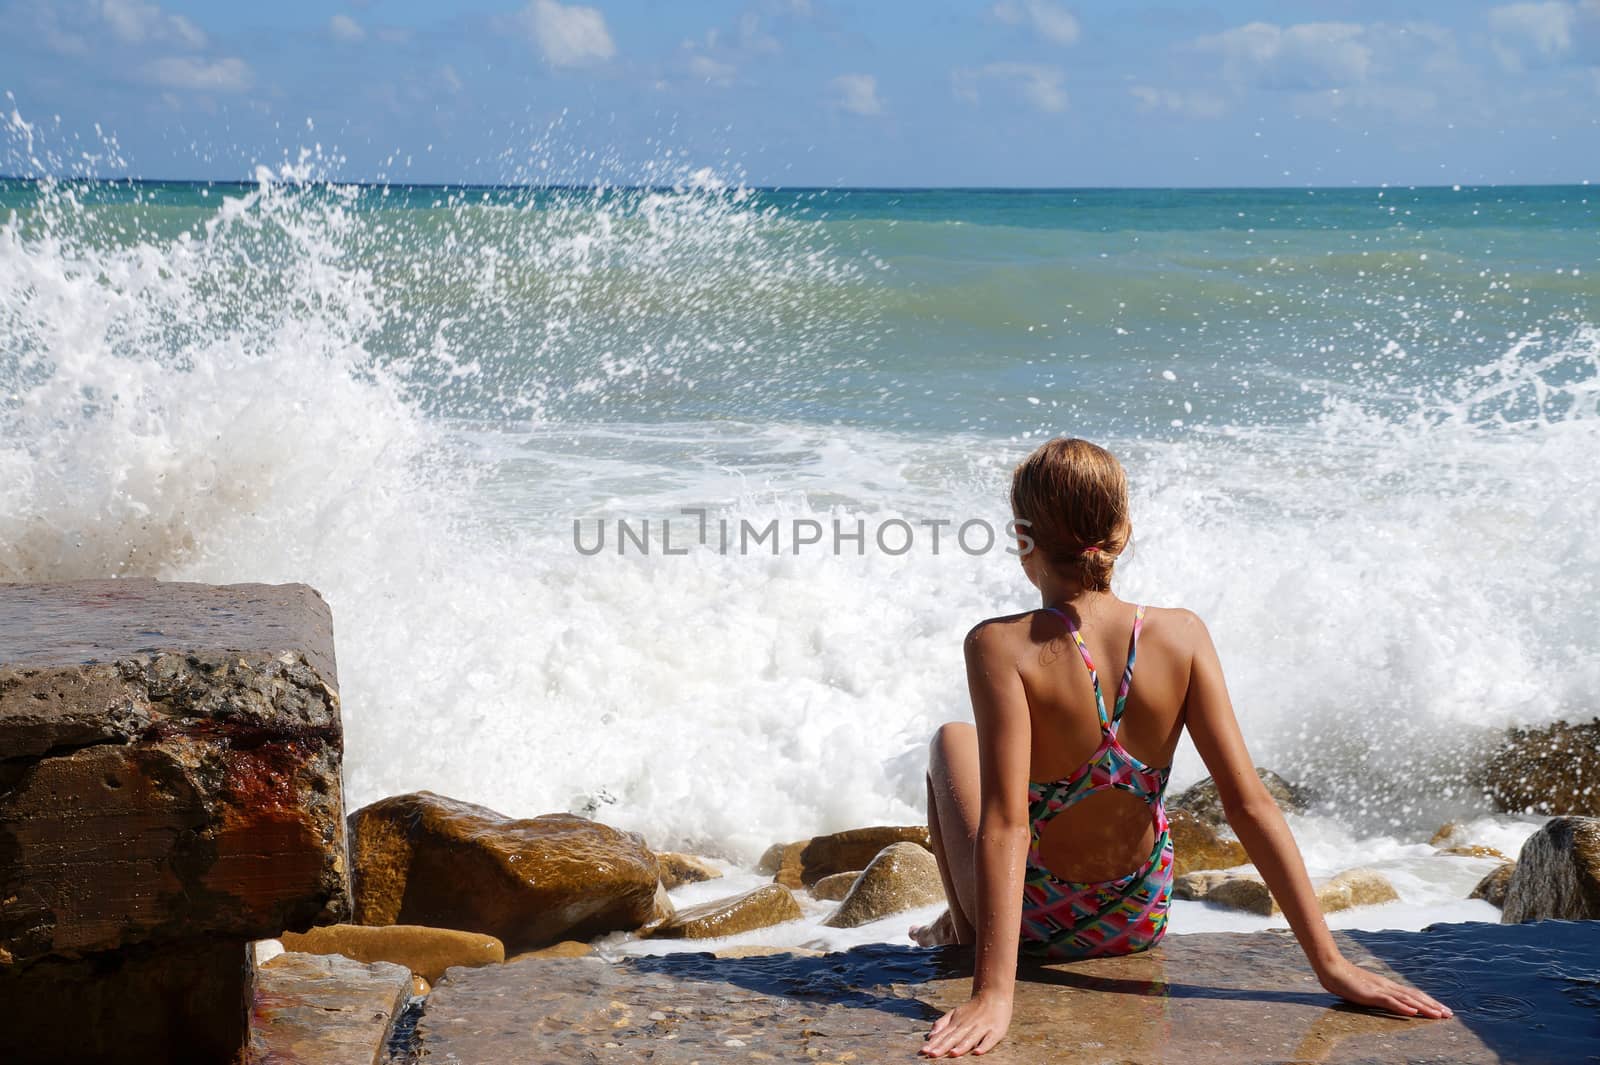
x,y
817,92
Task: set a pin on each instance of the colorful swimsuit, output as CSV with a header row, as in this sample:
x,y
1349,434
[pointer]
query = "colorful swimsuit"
x,y
1062,919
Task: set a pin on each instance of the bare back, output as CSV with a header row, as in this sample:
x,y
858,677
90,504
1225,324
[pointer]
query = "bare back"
x,y
1110,833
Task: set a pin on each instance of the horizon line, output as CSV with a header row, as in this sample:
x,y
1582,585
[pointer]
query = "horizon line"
x,y
383,183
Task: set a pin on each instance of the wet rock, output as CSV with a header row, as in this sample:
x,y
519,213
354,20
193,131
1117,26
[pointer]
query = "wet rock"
x,y
796,865
428,952
680,869
903,876
834,887
420,987
1492,888
1557,874
1247,892
767,905
1554,769
1474,850
425,859
567,948
1444,834
1196,844
325,1009
1210,999
762,950
169,792
1203,801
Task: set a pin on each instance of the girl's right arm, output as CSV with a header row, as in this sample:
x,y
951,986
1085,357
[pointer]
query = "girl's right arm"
x,y
1254,815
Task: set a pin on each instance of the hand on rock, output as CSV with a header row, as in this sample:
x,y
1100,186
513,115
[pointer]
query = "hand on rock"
x,y
973,1027
1355,984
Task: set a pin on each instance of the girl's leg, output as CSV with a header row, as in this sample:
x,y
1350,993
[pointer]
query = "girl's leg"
x,y
953,798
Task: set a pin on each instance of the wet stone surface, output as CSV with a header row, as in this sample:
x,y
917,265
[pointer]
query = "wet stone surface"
x,y
1527,993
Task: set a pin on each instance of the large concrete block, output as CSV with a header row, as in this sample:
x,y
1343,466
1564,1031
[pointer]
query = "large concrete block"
x,y
169,774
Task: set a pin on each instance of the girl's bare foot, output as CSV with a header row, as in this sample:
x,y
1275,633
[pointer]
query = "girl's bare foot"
x,y
941,933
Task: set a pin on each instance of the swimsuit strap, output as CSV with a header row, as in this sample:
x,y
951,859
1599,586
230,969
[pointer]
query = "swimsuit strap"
x,y
1108,723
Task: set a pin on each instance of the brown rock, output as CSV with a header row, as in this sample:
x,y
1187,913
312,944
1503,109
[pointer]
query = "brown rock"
x,y
1252,1000
803,864
326,1009
835,887
1492,888
1444,834
425,859
680,869
902,877
762,950
1557,875
1247,892
1554,769
567,948
1196,845
1474,850
428,952
1203,801
767,905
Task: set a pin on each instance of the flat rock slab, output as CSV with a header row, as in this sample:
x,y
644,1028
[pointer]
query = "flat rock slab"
x,y
1525,993
323,1009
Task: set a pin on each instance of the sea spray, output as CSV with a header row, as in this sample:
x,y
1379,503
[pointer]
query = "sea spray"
x,y
405,397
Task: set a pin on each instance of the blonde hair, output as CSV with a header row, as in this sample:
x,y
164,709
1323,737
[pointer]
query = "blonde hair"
x,y
1071,498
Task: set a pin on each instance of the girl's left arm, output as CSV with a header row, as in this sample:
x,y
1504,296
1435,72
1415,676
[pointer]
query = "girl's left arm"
x,y
1000,710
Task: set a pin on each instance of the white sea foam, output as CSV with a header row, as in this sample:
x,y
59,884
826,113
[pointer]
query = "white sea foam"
x,y
1383,583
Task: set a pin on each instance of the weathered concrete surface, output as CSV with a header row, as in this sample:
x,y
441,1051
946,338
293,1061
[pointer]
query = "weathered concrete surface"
x,y
169,790
426,859
180,1002
325,1009
1525,993
171,764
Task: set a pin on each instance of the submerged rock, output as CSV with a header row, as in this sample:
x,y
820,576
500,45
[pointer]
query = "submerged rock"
x,y
796,865
768,904
1196,845
567,948
834,887
680,869
425,859
1246,891
427,952
1203,801
1208,999
1492,888
1557,874
1554,769
903,876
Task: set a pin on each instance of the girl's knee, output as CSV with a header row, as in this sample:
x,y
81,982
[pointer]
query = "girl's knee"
x,y
952,737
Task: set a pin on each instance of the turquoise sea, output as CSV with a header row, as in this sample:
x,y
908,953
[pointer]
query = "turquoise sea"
x,y
1361,426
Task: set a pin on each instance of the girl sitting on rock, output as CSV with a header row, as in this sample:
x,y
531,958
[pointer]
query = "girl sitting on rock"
x,y
1047,818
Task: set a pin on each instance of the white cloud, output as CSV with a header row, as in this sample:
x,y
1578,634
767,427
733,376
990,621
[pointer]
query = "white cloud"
x,y
1305,57
135,22
568,35
712,71
1037,83
1051,21
187,72
857,93
1188,103
345,28
1544,33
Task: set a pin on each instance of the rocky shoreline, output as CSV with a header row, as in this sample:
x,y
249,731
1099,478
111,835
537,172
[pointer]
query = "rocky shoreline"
x,y
170,793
